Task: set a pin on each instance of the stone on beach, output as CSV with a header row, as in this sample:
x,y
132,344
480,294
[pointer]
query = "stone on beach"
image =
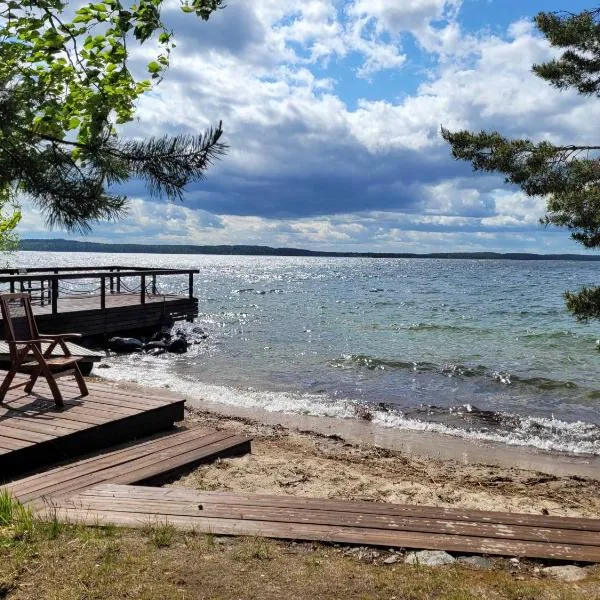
x,y
565,573
476,562
429,558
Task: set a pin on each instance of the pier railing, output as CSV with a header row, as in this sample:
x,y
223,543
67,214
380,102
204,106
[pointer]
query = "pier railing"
x,y
44,284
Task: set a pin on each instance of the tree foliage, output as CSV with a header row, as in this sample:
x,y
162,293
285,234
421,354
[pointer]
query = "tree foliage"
x,y
66,86
568,175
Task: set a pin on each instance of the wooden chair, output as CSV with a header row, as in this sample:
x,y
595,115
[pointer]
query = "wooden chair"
x,y
25,344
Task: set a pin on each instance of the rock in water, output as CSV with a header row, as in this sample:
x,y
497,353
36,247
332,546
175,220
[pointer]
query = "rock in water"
x,y
153,345
429,558
161,336
199,333
565,573
156,351
178,345
121,344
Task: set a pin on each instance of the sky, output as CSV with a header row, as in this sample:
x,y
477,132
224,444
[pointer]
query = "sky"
x,y
332,111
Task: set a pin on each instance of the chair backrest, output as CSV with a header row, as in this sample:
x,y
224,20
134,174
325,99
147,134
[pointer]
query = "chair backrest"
x,y
18,321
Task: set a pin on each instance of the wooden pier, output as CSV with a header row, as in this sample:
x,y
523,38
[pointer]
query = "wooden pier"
x,y
104,300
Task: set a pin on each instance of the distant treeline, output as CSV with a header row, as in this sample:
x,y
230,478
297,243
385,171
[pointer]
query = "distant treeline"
x,y
57,245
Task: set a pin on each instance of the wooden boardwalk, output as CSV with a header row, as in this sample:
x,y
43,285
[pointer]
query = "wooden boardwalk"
x,y
141,462
34,432
369,523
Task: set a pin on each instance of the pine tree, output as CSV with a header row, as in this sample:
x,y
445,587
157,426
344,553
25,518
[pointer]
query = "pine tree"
x,y
65,88
568,176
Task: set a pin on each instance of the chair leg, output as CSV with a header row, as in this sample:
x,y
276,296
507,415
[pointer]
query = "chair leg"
x,y
6,383
80,381
32,379
58,399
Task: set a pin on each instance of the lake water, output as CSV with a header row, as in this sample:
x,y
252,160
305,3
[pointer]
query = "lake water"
x,y
475,348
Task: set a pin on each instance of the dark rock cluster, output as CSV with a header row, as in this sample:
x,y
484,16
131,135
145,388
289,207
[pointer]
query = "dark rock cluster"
x,y
165,340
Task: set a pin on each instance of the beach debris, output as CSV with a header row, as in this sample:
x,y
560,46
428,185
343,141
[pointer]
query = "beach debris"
x,y
124,344
429,558
476,562
565,573
362,412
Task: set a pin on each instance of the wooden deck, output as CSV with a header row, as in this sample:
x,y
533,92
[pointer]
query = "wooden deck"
x,y
122,312
104,300
75,349
369,523
137,463
34,432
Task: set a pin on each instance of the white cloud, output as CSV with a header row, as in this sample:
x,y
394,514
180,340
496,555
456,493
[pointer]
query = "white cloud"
x,y
303,142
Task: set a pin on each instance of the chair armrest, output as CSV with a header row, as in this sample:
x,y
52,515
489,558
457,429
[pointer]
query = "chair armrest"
x,y
60,336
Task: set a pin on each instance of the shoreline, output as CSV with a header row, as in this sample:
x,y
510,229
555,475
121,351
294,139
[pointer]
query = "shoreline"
x,y
422,444
434,445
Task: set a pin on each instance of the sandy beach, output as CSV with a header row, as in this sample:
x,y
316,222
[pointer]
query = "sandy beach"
x,y
316,457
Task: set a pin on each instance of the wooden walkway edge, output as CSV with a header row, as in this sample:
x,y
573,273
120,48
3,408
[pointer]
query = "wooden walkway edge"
x,y
336,521
142,462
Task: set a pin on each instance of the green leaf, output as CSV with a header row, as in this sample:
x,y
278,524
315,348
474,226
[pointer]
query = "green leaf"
x,y
154,67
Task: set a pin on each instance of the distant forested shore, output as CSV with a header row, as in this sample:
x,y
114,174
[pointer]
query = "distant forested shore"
x,y
60,245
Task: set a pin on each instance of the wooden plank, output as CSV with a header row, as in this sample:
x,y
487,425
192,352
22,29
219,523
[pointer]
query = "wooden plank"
x,y
79,509
133,464
14,444
115,461
19,432
357,506
53,423
164,440
134,398
166,507
136,471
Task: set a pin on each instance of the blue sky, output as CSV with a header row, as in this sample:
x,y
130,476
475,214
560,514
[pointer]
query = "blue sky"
x,y
332,111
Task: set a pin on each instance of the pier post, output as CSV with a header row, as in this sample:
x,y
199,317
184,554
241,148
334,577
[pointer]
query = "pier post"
x,y
103,292
54,295
143,290
191,285
154,285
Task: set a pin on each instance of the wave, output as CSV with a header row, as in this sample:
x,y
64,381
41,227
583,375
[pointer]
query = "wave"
x,y
373,363
258,292
464,421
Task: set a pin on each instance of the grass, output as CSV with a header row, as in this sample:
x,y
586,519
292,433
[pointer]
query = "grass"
x,y
160,534
58,561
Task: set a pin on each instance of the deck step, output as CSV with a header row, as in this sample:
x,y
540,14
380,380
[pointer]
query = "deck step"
x,y
378,524
35,433
141,462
